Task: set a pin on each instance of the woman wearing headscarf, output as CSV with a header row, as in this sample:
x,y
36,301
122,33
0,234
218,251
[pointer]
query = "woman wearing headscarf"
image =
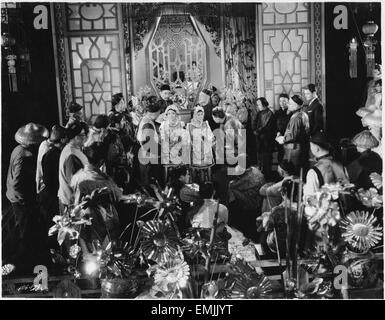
x,y
173,138
202,141
21,190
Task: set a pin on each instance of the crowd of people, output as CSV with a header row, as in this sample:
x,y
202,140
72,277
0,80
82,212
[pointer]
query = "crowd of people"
x,y
245,166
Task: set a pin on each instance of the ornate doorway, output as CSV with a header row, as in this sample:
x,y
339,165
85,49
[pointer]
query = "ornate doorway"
x,y
177,54
289,42
89,41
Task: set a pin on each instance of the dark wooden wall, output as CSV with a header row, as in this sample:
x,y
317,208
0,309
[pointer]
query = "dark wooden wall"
x,y
37,101
343,94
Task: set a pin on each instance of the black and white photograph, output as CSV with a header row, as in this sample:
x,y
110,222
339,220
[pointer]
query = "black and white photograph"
x,y
202,151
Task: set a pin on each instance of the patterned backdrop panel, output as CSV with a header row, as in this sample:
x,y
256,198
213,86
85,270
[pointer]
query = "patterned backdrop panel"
x,y
177,54
90,41
95,71
285,49
288,66
284,13
91,16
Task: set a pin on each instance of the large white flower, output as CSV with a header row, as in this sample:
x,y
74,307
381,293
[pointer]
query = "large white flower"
x,y
359,230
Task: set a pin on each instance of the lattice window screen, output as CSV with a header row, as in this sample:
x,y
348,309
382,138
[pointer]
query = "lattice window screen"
x,y
177,54
285,47
95,55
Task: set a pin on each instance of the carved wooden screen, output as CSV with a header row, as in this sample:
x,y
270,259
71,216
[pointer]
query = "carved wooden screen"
x,y
177,54
94,54
288,38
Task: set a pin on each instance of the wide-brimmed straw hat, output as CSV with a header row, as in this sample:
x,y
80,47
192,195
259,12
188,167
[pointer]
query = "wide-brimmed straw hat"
x,y
364,111
373,119
31,133
365,140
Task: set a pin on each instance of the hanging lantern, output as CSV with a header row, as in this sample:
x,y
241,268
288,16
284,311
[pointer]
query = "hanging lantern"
x,y
353,44
7,41
12,72
370,29
4,15
24,66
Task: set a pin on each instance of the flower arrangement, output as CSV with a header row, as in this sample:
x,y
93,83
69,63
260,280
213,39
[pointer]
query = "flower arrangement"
x,y
360,232
171,265
244,282
159,241
356,235
196,246
370,198
139,103
184,95
321,210
68,225
234,102
170,278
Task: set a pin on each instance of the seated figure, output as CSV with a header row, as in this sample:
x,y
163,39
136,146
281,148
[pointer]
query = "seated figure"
x,y
245,200
272,191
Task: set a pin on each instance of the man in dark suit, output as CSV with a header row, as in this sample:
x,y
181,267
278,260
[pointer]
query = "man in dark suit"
x,y
314,109
165,94
265,132
282,117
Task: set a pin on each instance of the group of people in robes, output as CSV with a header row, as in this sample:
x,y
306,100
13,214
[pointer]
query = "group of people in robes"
x,y
214,156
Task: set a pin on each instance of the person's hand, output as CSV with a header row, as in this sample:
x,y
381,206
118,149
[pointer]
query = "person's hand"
x,y
280,139
264,220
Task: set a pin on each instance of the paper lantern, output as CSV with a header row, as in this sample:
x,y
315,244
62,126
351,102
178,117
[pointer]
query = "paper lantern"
x,y
370,28
353,45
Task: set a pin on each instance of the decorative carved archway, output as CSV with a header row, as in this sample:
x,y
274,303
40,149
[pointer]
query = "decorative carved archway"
x,y
176,54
